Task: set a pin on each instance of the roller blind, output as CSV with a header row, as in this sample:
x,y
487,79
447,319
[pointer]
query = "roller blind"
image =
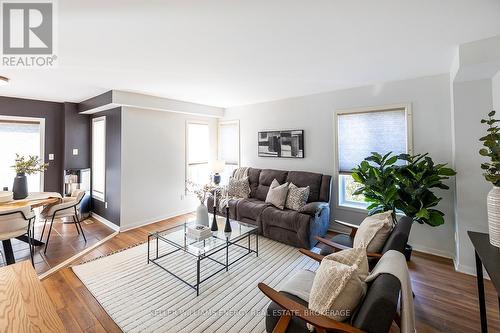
x,y
198,143
359,134
229,143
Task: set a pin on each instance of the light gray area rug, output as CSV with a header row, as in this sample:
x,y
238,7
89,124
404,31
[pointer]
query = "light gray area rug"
x,y
141,297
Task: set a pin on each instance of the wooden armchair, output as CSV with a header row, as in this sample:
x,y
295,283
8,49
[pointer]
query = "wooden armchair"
x,y
396,241
289,314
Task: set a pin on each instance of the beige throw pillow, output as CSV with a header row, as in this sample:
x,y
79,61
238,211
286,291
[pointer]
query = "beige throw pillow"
x,y
238,188
374,231
339,285
297,197
277,194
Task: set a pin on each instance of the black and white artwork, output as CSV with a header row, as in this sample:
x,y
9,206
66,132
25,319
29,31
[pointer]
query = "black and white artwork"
x,y
288,143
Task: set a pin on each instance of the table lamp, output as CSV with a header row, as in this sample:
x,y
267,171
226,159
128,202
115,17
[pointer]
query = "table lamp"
x,y
217,167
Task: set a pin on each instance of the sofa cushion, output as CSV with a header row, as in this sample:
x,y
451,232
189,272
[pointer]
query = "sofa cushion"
x,y
303,179
250,208
239,188
253,180
339,285
374,231
297,197
277,194
266,177
285,219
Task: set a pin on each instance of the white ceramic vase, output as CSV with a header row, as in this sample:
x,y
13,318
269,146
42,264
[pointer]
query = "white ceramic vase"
x,y
202,215
493,204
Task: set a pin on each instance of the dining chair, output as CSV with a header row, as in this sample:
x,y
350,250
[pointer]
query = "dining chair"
x,y
69,207
18,222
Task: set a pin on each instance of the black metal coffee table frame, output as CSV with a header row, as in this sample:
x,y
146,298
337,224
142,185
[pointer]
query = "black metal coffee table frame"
x,y
207,255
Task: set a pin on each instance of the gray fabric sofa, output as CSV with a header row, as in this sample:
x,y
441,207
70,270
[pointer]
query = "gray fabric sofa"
x,y
296,228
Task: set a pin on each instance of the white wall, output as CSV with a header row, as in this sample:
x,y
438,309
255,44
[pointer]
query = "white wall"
x,y
430,98
496,92
153,165
472,102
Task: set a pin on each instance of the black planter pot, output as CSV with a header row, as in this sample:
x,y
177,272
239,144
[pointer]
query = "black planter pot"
x,y
407,252
20,187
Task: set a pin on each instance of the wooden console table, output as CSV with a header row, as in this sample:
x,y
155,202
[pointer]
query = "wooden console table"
x,y
489,256
25,306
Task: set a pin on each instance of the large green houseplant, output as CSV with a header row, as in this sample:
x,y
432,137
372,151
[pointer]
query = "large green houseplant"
x,y
407,186
376,174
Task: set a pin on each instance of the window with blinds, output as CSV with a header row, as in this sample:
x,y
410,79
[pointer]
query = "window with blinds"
x,y
197,152
23,137
99,158
229,147
361,132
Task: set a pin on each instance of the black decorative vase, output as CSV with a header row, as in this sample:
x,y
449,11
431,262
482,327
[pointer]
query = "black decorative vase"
x,y
20,187
407,252
214,226
227,227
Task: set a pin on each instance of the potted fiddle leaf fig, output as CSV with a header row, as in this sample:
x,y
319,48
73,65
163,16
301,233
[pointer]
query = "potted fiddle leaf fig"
x,y
25,166
406,187
376,174
416,180
491,172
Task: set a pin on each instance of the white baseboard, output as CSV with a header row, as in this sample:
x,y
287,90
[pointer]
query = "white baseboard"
x,y
416,247
435,252
105,222
469,270
154,220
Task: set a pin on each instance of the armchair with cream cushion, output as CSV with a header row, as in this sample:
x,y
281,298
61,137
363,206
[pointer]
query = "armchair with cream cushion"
x,y
69,207
17,222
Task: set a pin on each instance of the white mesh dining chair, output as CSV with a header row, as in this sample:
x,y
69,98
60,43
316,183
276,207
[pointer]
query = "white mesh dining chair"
x,y
18,222
69,207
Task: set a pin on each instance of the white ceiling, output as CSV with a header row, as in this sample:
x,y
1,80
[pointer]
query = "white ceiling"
x,y
229,52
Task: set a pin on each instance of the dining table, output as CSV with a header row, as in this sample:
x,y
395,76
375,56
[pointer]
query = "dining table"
x,y
34,200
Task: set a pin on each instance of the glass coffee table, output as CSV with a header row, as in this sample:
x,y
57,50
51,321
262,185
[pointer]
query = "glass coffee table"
x,y
202,249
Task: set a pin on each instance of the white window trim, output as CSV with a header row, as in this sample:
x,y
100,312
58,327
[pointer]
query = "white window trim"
x,y
41,121
97,195
228,122
409,142
186,140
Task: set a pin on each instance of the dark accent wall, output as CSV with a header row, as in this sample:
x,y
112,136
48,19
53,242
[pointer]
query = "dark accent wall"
x,y
96,101
113,166
76,135
53,113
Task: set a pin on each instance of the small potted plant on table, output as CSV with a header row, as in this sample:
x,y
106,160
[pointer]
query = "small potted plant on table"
x,y
25,166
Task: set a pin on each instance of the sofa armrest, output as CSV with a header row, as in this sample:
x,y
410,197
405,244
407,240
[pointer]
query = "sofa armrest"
x,y
314,208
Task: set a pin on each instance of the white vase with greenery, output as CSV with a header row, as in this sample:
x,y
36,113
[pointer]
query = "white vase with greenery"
x,y
491,142
201,193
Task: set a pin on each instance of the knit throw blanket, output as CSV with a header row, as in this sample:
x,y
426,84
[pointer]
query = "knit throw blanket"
x,y
394,263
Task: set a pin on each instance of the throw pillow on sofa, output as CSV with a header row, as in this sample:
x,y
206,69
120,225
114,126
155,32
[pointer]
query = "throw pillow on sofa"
x,y
339,285
374,231
297,197
277,194
238,188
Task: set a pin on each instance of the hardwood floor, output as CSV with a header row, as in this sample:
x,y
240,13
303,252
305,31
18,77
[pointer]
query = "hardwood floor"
x,y
445,301
64,243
